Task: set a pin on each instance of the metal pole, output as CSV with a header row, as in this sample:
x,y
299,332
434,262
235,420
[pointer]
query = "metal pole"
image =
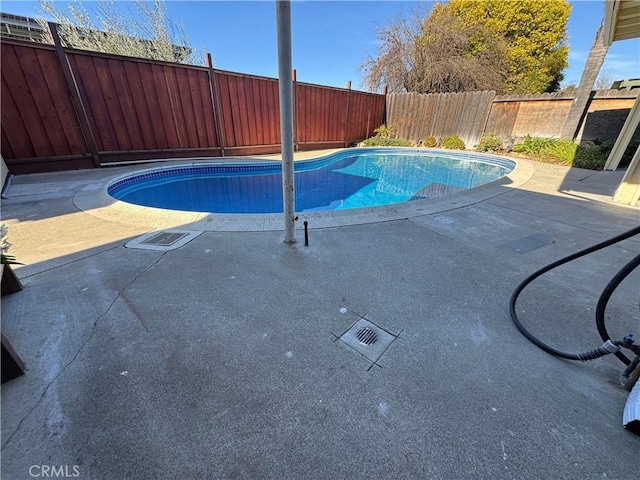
x,y
283,13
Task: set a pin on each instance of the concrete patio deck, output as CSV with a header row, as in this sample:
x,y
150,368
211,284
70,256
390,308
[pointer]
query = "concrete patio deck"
x,y
220,359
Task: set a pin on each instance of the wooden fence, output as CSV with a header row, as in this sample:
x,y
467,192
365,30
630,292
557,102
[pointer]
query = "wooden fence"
x,y
414,116
469,115
68,109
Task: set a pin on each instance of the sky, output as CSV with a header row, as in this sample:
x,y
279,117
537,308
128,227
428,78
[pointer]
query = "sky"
x,y
331,39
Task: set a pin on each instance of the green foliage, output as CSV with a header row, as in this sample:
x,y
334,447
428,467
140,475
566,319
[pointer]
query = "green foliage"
x,y
532,145
435,54
430,142
535,34
452,142
8,260
553,150
489,142
384,132
593,154
378,141
590,156
385,138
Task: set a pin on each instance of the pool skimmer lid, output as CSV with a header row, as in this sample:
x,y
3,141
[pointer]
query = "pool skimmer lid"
x,y
163,240
368,339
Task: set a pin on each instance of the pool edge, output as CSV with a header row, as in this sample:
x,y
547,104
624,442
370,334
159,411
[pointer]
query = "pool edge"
x,y
95,201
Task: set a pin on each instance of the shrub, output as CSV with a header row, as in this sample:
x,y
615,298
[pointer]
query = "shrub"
x,y
385,142
489,142
452,142
532,145
384,132
554,150
562,150
430,142
593,154
590,156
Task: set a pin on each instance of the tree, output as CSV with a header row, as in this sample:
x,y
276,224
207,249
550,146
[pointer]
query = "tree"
x,y
435,55
535,34
147,32
604,81
511,46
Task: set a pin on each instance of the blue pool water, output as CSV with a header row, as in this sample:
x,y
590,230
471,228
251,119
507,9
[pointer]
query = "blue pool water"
x,y
352,178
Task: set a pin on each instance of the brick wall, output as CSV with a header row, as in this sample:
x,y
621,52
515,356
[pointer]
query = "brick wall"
x,y
605,117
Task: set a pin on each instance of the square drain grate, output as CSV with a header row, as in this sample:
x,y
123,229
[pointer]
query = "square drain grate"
x,y
164,240
368,339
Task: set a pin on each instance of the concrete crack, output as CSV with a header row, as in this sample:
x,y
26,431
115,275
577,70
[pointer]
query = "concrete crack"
x,y
93,329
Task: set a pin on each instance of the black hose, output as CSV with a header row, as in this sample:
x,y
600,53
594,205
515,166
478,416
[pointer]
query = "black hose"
x,y
604,299
551,266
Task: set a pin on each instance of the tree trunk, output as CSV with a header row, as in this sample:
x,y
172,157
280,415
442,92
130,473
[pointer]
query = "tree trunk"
x,y
583,93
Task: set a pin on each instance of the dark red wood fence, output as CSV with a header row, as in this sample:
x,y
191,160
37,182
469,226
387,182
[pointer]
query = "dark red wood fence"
x,y
69,109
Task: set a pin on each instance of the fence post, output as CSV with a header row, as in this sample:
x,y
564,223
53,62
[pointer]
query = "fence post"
x,y
76,99
385,89
294,92
215,103
346,116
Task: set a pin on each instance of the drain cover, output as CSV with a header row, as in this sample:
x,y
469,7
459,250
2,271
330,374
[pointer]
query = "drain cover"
x,y
366,336
368,339
528,244
164,240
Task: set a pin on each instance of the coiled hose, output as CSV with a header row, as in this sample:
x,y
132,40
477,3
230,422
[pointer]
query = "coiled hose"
x,y
609,346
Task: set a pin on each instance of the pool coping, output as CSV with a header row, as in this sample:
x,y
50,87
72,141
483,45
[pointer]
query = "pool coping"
x,y
94,200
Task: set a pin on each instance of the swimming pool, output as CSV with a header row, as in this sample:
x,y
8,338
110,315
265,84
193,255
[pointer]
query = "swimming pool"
x,y
351,178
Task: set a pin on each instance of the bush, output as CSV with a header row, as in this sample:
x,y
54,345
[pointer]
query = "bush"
x,y
590,156
430,142
593,154
489,142
385,142
532,145
452,142
553,150
384,132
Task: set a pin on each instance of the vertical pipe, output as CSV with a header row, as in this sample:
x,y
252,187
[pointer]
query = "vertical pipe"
x,y
285,83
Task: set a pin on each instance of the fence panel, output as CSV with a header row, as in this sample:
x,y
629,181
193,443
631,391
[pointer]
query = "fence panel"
x,y
320,114
249,110
415,116
39,122
366,113
135,105
138,109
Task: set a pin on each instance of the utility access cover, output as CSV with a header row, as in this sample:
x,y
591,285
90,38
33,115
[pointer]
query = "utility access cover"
x,y
368,339
528,244
164,240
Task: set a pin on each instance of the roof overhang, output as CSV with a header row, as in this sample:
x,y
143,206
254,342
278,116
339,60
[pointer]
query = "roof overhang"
x,y
621,20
